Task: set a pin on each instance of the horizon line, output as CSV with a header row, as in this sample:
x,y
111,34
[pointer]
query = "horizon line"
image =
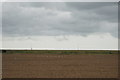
x,y
51,49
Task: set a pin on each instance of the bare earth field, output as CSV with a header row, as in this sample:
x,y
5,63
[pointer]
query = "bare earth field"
x,y
59,65
0,65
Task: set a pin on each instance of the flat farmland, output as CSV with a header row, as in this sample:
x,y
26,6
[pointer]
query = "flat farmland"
x,y
0,65
39,65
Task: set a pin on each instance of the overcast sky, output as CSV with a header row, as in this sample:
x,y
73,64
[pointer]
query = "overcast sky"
x,y
73,25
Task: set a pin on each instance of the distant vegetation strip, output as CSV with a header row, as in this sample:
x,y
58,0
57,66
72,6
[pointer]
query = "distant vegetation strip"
x,y
61,51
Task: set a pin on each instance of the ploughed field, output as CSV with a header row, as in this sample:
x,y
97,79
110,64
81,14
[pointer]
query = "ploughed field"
x,y
60,64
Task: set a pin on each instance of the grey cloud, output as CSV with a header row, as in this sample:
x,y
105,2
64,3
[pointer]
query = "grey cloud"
x,y
53,19
90,5
103,10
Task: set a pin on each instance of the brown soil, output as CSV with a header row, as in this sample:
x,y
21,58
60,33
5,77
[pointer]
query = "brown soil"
x,y
59,66
0,65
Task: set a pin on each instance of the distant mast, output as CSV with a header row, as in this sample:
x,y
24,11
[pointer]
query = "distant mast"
x,y
77,46
30,43
31,46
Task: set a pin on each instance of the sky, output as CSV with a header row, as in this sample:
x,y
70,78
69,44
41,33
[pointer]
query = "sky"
x,y
60,25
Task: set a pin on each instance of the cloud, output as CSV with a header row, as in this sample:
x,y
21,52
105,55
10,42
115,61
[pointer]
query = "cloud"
x,y
56,19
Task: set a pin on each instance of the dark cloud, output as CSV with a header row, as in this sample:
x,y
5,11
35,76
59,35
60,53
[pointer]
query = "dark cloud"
x,y
90,5
53,19
0,20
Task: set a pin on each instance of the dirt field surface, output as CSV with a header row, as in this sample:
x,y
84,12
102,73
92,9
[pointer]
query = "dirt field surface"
x,y
60,66
0,65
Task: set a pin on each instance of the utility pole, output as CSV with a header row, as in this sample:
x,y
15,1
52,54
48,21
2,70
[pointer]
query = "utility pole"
x,y
77,46
30,43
